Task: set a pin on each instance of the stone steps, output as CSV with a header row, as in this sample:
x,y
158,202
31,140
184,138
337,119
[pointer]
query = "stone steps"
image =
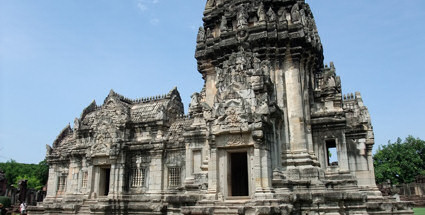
x,y
85,208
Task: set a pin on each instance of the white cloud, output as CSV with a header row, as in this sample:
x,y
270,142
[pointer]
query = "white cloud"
x,y
154,21
141,6
193,28
147,7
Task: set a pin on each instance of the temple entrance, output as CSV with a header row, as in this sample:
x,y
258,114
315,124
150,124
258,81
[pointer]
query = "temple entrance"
x,y
105,178
238,174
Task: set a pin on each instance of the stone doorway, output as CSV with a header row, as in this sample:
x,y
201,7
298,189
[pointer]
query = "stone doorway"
x,y
238,174
105,179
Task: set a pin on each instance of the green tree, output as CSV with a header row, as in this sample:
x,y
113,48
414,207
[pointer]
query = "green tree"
x,y
400,161
32,181
42,173
36,174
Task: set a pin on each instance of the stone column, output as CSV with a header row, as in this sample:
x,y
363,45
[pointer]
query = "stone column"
x,y
52,182
212,172
189,163
113,179
156,173
90,181
120,177
343,156
294,104
275,148
266,170
372,183
256,157
95,185
304,81
210,89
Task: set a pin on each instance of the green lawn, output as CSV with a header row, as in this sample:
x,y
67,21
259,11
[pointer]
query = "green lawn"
x,y
419,211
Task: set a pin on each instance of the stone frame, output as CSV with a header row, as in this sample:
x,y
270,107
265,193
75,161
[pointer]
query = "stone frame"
x,y
224,168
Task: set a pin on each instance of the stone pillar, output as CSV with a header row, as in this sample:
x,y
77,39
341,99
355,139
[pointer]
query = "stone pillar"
x,y
280,87
212,172
74,170
52,182
210,89
189,163
266,171
371,168
275,148
120,177
113,179
256,158
156,173
95,185
343,155
90,181
297,138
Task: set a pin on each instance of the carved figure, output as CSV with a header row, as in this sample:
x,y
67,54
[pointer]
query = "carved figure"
x,y
209,33
295,14
210,4
223,24
240,62
271,15
201,35
194,102
282,15
48,150
76,124
256,62
242,18
303,17
261,13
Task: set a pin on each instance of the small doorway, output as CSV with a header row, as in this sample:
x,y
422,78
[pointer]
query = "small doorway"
x,y
105,179
331,152
238,174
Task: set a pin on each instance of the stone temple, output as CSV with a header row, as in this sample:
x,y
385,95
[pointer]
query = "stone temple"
x,y
269,133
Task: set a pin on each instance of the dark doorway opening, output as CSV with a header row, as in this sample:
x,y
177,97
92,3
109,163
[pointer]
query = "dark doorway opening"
x,y
239,174
104,181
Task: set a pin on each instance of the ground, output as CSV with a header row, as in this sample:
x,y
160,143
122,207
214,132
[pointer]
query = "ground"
x,y
419,211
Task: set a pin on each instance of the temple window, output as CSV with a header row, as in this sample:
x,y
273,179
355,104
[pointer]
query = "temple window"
x,y
138,177
61,183
174,176
85,179
331,152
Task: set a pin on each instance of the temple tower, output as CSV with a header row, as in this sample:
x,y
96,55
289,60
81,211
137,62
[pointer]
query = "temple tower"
x,y
263,55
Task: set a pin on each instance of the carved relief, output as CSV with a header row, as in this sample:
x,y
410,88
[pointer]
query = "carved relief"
x,y
201,35
261,13
223,24
271,15
242,18
237,140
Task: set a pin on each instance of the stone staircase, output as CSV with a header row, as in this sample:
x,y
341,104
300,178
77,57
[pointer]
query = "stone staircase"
x,y
85,208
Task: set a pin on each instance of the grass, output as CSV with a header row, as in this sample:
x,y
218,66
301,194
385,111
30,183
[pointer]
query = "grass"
x,y
419,211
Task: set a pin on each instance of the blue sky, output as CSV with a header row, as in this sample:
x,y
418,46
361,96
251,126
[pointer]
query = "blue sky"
x,y
57,56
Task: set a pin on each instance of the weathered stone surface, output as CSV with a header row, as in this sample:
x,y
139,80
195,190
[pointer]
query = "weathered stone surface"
x,y
256,139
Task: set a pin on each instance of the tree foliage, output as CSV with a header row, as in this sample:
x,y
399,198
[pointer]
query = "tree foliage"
x,y
36,174
401,161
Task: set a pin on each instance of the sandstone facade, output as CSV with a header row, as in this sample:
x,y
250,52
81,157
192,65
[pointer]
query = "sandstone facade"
x,y
257,139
